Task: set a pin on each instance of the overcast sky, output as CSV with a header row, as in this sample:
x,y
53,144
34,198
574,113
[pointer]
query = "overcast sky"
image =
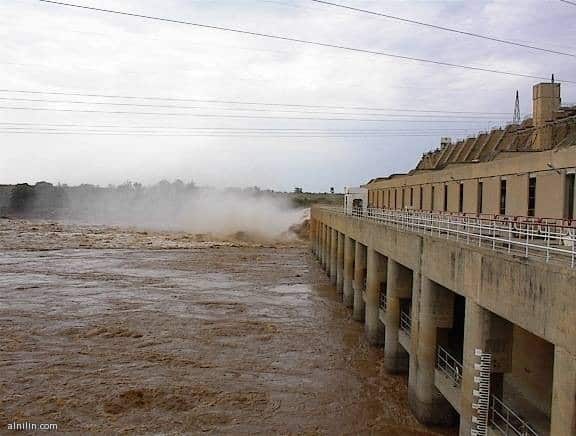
x,y
53,48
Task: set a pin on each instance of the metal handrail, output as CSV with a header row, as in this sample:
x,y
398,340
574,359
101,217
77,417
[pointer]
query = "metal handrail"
x,y
405,322
383,301
449,365
533,239
508,422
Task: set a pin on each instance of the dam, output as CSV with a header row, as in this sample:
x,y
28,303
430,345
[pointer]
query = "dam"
x,y
464,271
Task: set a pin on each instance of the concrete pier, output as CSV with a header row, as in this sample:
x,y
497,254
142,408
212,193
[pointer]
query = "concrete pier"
x,y
426,401
443,301
328,249
476,333
359,307
414,328
323,246
317,238
333,255
398,286
491,334
563,420
348,290
340,263
375,281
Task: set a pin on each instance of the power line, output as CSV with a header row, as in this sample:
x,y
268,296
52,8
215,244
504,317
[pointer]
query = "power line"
x,y
446,29
232,129
236,116
210,133
206,135
239,109
302,41
250,103
569,2
351,134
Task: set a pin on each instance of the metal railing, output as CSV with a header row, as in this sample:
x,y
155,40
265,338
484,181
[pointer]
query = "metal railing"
x,y
451,367
405,322
544,239
506,421
382,301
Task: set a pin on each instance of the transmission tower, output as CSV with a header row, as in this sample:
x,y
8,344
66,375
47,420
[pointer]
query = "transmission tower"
x,y
516,119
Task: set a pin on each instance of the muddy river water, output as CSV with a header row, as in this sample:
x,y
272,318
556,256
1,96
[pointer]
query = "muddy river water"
x,y
148,338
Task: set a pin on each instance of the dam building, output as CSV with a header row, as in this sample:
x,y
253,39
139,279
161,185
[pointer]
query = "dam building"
x,y
464,270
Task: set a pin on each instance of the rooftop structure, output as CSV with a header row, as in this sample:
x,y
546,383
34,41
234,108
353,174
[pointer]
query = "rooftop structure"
x,y
551,127
524,170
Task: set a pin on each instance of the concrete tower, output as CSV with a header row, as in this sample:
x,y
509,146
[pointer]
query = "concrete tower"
x,y
545,102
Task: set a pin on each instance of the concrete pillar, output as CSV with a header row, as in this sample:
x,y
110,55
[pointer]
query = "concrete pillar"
x,y
317,238
322,245
375,277
415,327
563,420
475,334
321,237
398,286
313,236
320,242
326,247
326,254
488,332
333,255
348,291
426,402
358,312
340,263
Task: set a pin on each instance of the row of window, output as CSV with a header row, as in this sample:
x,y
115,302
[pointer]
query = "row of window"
x,y
427,197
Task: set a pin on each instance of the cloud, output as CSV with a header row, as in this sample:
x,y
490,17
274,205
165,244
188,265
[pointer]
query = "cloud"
x,y
46,47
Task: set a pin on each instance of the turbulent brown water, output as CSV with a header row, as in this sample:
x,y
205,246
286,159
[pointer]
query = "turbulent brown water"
x,y
110,330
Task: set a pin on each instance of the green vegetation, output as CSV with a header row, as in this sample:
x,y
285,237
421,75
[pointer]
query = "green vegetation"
x,y
22,198
307,199
44,200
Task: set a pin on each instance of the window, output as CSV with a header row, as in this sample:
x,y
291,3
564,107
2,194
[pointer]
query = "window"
x,y
411,196
395,198
570,193
421,204
403,198
461,198
389,199
503,197
445,198
432,198
531,196
479,198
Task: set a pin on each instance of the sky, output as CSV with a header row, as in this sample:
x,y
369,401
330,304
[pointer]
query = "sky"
x,y
51,48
